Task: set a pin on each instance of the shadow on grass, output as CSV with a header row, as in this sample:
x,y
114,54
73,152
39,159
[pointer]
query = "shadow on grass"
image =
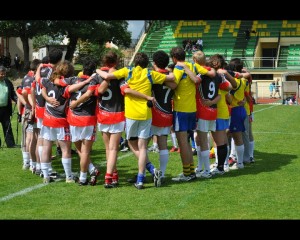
x,y
264,162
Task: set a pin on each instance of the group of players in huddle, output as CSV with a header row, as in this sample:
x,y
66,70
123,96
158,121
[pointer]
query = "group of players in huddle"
x,y
207,95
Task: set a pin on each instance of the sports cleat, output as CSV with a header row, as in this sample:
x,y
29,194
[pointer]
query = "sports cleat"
x,y
193,176
33,170
134,179
53,175
232,160
174,149
213,165
252,160
237,166
182,178
94,175
194,151
38,172
110,185
139,185
124,146
211,155
26,166
157,177
58,151
71,179
124,149
115,179
204,174
216,171
47,180
153,149
226,168
198,173
83,183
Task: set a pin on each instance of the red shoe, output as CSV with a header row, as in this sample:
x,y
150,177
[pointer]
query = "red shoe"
x,y
212,155
115,178
174,149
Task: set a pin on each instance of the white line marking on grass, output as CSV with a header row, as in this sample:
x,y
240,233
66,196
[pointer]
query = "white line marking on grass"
x,y
30,189
265,108
25,191
285,133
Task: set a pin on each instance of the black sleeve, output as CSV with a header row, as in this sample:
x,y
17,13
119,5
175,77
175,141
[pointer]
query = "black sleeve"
x,y
13,95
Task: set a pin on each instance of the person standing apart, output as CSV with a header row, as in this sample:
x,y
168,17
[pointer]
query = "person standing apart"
x,y
7,95
276,87
17,62
271,89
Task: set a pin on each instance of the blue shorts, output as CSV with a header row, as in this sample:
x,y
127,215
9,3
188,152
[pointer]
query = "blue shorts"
x,y
183,121
222,124
238,115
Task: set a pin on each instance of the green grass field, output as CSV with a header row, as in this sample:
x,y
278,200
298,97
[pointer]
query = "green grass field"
x,y
267,189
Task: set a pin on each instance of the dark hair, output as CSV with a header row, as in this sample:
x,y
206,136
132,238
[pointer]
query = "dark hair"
x,y
55,55
89,67
216,61
141,59
171,66
178,53
161,59
236,64
45,59
110,59
34,64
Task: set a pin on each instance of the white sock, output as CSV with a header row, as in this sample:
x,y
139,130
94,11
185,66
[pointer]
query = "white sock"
x,y
200,162
45,167
91,167
216,155
227,156
155,145
50,168
233,150
174,140
83,176
67,164
163,160
38,166
205,159
240,153
251,148
25,156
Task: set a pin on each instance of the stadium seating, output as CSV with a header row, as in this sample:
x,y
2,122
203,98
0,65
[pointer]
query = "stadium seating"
x,y
225,37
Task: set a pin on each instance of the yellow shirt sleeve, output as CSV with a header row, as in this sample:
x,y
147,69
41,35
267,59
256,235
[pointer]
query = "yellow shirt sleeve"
x,y
200,69
121,73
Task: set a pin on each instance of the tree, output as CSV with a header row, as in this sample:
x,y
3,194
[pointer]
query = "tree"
x,y
94,31
25,29
43,40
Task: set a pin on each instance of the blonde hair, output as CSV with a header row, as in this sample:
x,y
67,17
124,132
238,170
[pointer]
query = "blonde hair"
x,y
199,57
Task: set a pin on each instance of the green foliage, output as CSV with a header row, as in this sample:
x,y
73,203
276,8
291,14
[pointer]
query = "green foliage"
x,y
43,40
94,31
88,50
